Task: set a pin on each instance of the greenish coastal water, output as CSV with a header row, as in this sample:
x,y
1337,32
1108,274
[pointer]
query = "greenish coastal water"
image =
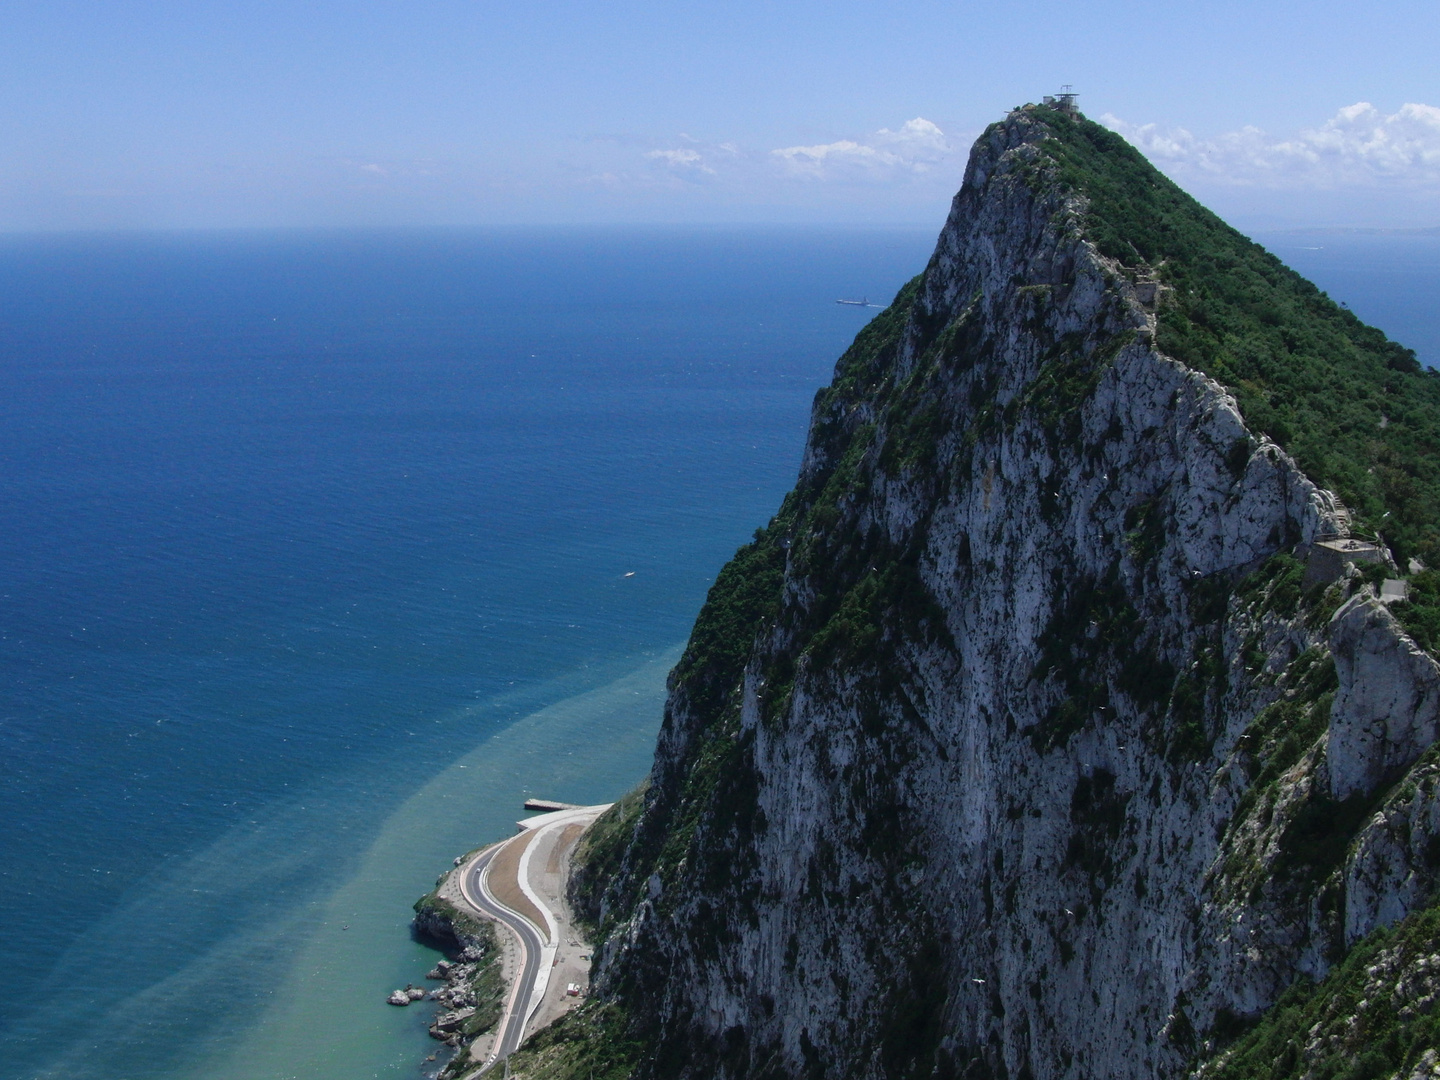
x,y
328,1018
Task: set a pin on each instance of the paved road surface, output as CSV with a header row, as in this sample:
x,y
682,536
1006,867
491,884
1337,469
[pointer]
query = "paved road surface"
x,y
537,956
513,1029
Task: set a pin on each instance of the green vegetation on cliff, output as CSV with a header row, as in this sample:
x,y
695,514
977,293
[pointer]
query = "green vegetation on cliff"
x,y
438,918
1373,1016
1355,409
594,1042
746,593
599,857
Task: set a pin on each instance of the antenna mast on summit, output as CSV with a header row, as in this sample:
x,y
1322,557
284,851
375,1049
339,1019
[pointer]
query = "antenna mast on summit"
x,y
1065,100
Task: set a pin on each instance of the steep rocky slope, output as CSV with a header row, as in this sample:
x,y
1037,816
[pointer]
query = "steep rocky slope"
x,y
1035,736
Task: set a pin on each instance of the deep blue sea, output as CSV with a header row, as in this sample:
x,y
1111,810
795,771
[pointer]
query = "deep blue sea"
x,y
1389,280
292,522
319,550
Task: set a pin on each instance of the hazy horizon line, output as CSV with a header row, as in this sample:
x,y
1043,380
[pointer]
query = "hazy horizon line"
x,y
630,226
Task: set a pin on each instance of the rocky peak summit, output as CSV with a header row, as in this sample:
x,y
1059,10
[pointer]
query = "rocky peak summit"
x,y
1019,743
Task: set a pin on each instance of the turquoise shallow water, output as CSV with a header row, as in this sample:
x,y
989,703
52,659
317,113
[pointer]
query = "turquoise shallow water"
x,y
331,958
584,748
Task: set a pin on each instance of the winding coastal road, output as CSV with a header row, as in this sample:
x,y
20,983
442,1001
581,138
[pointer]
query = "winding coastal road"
x,y
509,863
516,1012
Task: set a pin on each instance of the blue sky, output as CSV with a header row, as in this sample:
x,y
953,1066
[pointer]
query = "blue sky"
x,y
204,114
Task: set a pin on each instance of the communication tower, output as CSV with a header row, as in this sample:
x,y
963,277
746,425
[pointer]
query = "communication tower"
x,y
1063,101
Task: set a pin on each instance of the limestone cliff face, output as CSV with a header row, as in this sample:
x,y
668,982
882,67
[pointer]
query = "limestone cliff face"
x,y
1388,710
1004,749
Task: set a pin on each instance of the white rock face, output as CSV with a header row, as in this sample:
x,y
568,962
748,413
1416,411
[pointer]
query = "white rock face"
x,y
1393,869
1007,826
1387,712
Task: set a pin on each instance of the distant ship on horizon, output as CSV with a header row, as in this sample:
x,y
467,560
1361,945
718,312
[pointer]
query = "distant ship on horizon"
x,y
862,302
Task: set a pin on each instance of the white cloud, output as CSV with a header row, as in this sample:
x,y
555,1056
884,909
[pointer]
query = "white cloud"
x,y
681,159
917,147
1357,147
808,157
919,138
916,164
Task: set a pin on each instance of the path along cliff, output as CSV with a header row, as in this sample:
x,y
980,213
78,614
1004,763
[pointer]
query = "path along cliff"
x,y
1032,737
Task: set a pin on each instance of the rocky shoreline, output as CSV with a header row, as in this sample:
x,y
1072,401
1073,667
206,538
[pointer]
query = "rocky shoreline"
x,y
469,1004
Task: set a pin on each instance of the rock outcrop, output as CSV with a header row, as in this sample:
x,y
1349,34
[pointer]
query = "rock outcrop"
x,y
1387,711
1013,746
469,1002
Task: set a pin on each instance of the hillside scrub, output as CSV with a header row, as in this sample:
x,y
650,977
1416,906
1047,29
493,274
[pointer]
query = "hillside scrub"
x,y
1356,410
1373,1016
